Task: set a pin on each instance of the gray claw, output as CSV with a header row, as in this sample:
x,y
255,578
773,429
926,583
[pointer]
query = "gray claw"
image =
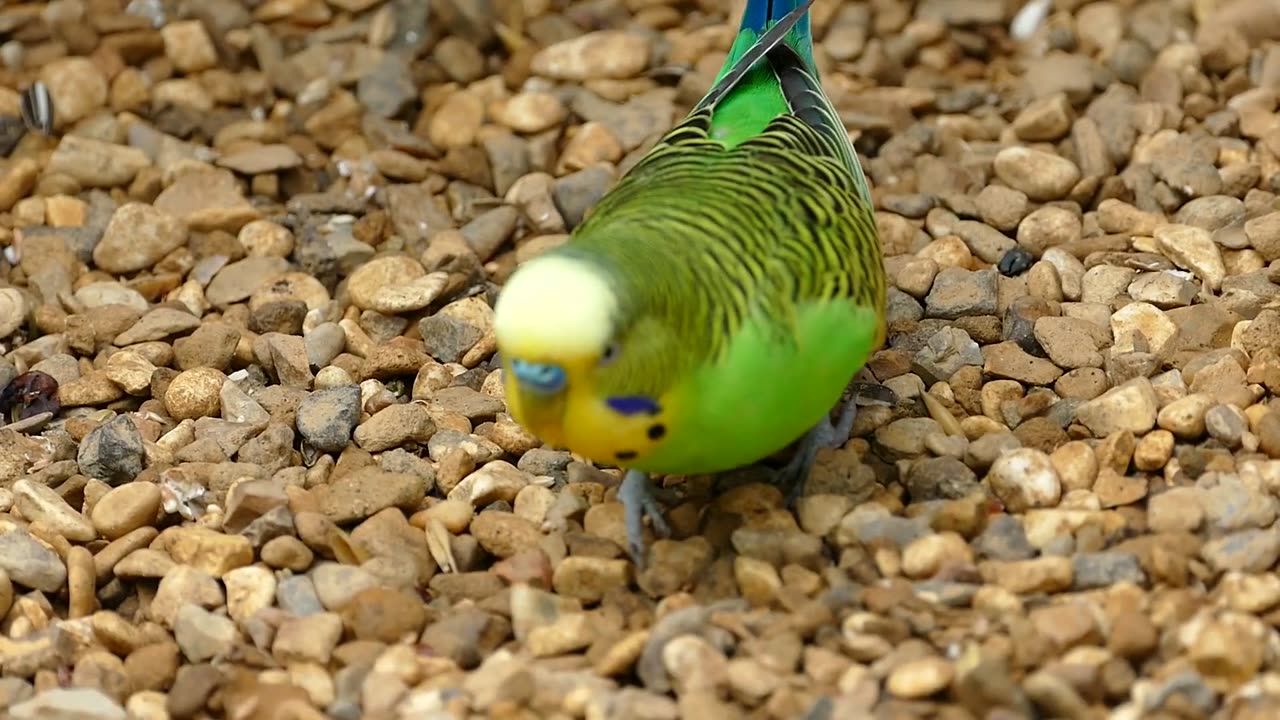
x,y
823,435
638,500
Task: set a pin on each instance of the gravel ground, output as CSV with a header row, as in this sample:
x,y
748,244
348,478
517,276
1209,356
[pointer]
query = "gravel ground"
x,y
258,465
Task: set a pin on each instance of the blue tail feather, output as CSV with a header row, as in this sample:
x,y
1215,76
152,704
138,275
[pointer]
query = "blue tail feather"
x,y
760,15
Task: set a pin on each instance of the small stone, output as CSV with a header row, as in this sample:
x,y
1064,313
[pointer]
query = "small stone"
x,y
1192,248
195,393
395,426
1226,424
568,633
208,200
1040,575
189,46
694,665
494,482
1263,233
29,562
601,54
959,293
1001,207
384,614
1140,327
369,490
1153,450
94,163
920,678
1131,406
1185,417
1226,649
1251,551
1070,342
589,578
1076,465
158,324
41,503
308,639
504,534
1044,119
758,580
208,550
1042,176
1114,488
1023,479
137,237
68,704
1047,227
112,452
530,112
326,418
250,589
928,556
76,86
203,635
1008,360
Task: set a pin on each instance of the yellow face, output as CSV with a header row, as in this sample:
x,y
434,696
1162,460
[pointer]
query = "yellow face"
x,y
579,418
554,327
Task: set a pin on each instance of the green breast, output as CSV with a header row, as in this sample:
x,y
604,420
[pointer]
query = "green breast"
x,y
765,395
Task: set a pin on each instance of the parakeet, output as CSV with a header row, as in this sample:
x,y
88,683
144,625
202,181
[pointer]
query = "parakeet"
x,y
714,305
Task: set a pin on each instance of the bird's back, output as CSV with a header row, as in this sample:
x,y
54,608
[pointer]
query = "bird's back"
x,y
754,203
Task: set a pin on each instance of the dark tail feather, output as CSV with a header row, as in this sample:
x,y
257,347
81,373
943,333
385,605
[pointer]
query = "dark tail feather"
x,y
777,33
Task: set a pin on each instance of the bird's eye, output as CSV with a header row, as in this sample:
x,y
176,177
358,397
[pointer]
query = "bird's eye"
x,y
541,377
610,353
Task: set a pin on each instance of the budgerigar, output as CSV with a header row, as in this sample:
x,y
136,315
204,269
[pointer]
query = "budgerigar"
x,y
715,304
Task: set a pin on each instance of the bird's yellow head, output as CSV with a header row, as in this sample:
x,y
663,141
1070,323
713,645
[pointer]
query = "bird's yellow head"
x,y
560,334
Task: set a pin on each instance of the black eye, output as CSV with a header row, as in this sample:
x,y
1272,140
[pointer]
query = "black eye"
x,y
610,353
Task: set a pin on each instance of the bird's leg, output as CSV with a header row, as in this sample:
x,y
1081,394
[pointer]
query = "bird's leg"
x,y
639,498
825,434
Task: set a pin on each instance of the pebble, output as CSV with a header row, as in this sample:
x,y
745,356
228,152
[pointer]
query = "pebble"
x,y
588,578
1140,327
920,678
1250,551
1071,342
1041,176
369,490
203,635
76,87
1008,360
1129,407
598,55
958,293
68,703
1185,417
42,504
112,452
327,418
395,426
195,393
30,563
94,163
1192,248
1025,478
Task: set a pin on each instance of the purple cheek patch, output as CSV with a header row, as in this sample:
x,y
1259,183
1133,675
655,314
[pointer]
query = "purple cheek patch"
x,y
634,405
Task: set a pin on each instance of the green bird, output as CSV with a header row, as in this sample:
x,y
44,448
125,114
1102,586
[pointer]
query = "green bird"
x,y
715,304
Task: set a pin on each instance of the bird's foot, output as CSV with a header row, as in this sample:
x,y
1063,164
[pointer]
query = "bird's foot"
x,y
791,478
640,498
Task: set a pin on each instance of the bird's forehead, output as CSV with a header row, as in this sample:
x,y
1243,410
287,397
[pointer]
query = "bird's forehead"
x,y
554,307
